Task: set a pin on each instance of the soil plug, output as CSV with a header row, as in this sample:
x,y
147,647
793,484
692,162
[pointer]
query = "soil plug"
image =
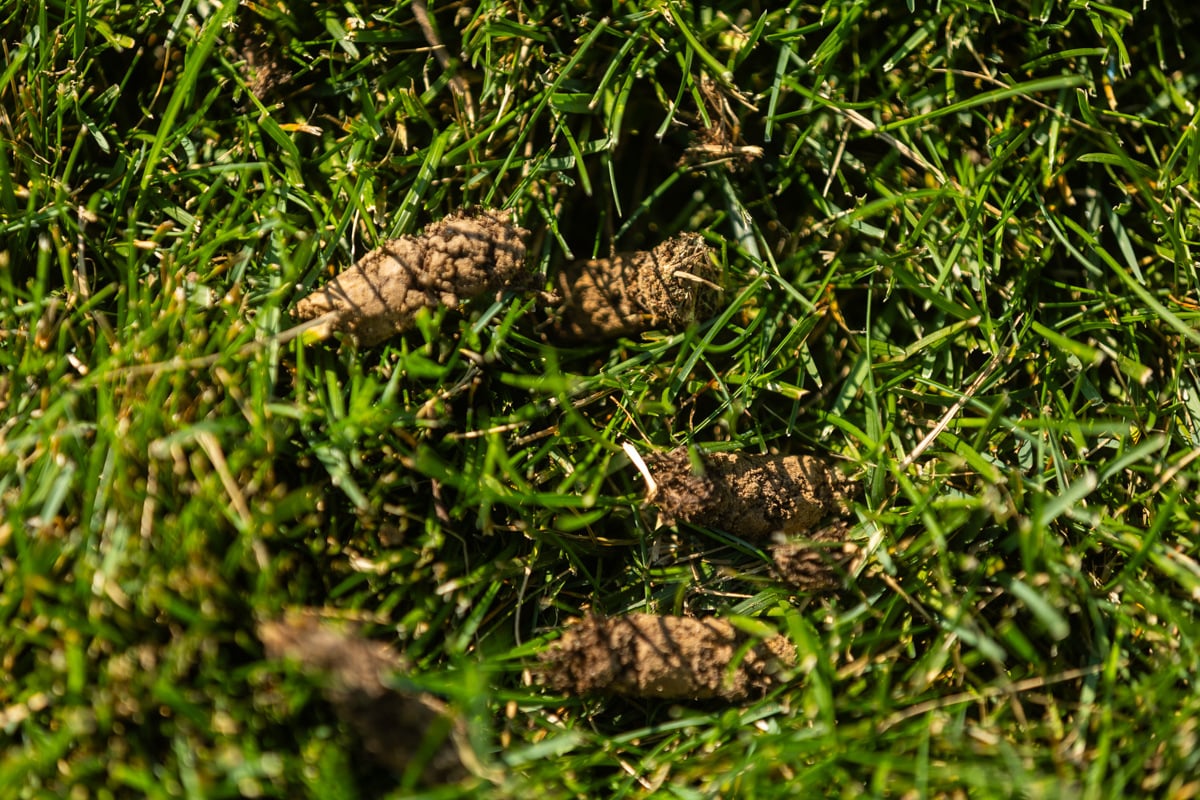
x,y
463,256
393,725
667,288
813,565
751,496
676,658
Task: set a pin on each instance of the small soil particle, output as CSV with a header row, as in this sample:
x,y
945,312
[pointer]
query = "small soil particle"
x,y
815,564
751,496
675,658
392,725
667,288
263,67
463,256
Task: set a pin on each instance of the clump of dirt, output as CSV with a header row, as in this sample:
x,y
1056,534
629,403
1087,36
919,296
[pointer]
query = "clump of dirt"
x,y
393,725
674,658
463,256
816,563
668,288
751,496
720,140
262,67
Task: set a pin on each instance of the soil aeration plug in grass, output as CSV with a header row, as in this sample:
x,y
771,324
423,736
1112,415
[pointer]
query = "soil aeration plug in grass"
x,y
393,725
751,496
812,565
677,658
463,256
666,288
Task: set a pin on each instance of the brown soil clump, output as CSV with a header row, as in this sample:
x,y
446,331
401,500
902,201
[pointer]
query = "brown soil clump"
x,y
751,496
816,564
463,256
674,658
264,70
393,725
667,288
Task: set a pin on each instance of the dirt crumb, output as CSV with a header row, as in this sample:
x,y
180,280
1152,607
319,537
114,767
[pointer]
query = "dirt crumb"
x,y
263,68
675,658
667,288
816,563
751,496
463,256
720,138
392,725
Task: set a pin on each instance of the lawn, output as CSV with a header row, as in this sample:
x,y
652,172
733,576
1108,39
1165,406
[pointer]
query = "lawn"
x,y
955,250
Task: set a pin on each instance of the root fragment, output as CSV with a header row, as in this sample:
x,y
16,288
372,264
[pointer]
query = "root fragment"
x,y
463,256
675,658
393,725
669,288
751,496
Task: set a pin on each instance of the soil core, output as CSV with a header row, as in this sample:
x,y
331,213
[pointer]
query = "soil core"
x,y
392,725
816,563
751,496
668,288
678,658
460,257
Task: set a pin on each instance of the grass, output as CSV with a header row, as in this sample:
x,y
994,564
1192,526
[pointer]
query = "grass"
x,y
962,264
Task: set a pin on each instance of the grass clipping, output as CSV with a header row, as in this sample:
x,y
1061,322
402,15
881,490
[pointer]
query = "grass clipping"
x,y
396,728
751,496
668,288
672,658
460,257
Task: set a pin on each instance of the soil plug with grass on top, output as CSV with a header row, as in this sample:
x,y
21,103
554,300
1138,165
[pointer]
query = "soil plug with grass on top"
x,y
673,658
460,257
751,496
667,288
817,561
394,726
